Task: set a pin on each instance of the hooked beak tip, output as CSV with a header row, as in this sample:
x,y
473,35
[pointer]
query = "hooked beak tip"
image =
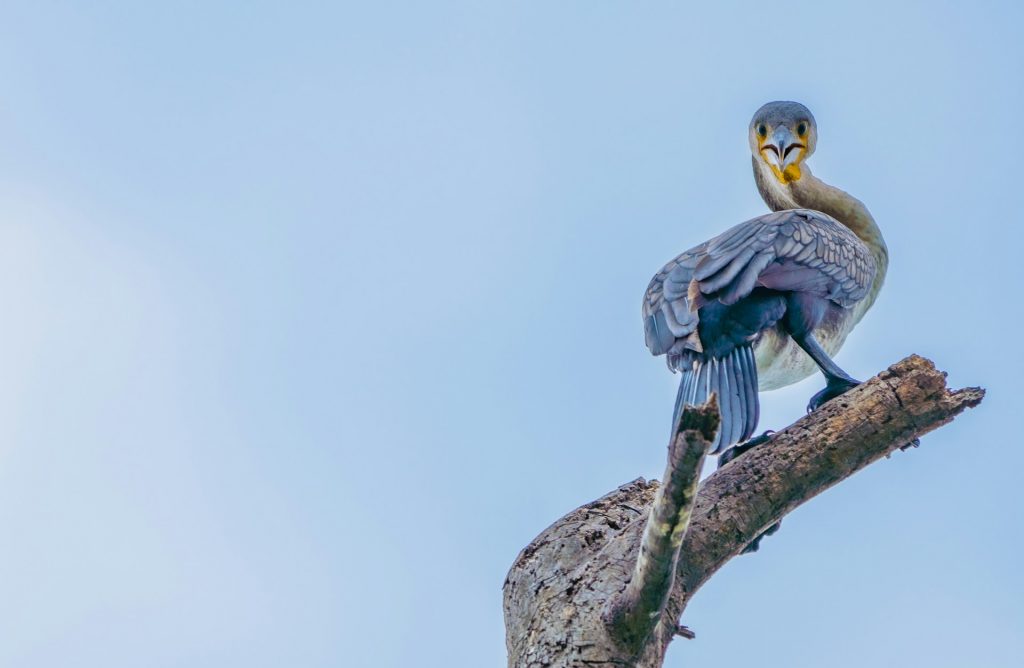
x,y
782,154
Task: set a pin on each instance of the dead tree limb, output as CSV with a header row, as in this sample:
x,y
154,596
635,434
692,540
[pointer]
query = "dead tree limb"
x,y
632,615
570,598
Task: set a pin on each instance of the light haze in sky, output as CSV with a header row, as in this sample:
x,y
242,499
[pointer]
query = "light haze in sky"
x,y
315,314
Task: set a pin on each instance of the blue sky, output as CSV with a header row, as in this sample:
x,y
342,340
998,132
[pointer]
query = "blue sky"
x,y
315,315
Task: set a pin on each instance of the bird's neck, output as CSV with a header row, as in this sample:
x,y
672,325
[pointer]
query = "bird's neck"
x,y
810,192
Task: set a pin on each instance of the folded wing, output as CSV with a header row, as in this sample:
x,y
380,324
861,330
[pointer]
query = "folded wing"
x,y
797,250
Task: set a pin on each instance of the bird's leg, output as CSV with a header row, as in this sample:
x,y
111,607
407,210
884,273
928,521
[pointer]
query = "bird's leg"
x,y
837,381
731,454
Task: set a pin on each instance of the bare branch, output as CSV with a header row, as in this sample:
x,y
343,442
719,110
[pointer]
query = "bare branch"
x,y
558,591
757,489
633,614
751,493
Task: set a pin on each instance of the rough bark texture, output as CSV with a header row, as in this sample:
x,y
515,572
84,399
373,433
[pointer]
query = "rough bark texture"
x,y
566,596
632,615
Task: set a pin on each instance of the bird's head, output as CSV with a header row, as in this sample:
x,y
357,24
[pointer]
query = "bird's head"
x,y
782,135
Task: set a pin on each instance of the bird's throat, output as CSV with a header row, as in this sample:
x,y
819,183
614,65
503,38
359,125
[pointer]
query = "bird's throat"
x,y
788,175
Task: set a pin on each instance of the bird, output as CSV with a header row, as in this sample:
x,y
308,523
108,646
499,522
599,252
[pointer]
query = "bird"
x,y
769,301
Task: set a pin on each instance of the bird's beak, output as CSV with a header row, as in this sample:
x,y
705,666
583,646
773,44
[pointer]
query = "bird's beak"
x,y
783,151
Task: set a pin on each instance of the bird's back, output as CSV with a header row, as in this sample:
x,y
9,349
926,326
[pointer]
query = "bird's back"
x,y
796,250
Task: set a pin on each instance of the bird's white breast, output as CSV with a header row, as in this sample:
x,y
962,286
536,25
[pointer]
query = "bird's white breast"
x,y
781,362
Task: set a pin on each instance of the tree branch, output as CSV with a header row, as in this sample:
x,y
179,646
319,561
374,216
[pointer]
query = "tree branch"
x,y
633,614
557,594
751,493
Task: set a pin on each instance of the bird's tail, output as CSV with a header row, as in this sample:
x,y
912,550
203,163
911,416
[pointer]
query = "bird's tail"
x,y
734,379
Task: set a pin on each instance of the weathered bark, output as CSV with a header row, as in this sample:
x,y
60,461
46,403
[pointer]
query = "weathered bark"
x,y
635,612
568,599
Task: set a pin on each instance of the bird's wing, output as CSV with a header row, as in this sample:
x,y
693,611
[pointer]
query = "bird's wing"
x,y
798,250
670,325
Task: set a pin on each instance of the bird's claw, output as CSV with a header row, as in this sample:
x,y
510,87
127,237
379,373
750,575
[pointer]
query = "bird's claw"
x,y
685,632
906,446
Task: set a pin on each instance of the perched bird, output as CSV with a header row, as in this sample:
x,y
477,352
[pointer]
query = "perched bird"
x,y
766,302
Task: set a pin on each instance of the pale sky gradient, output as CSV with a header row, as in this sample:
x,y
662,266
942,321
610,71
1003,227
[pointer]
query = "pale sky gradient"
x,y
316,313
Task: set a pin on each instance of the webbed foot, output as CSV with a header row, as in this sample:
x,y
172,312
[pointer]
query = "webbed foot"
x,y
834,388
735,451
731,454
756,543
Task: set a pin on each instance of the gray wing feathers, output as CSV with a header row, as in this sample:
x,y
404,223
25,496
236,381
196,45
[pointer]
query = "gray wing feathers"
x,y
798,249
727,400
747,278
795,250
733,379
668,318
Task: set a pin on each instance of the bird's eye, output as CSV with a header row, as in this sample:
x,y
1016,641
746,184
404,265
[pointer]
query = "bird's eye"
x,y
801,129
762,130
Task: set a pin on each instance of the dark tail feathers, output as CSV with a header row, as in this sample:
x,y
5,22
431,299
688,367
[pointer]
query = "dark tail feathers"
x,y
733,379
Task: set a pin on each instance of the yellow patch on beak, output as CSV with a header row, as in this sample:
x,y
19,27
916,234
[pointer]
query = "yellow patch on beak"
x,y
791,172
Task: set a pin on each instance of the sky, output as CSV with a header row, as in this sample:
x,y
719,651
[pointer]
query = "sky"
x,y
315,314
